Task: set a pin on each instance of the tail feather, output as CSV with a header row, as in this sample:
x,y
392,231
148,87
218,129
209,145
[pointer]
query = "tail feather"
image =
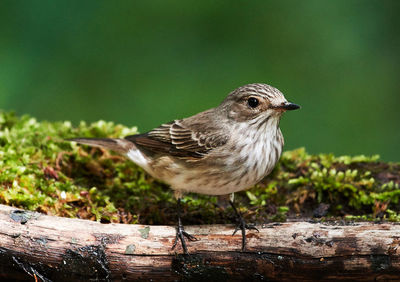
x,y
121,146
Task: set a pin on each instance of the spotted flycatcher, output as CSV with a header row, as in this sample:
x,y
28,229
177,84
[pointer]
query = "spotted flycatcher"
x,y
216,152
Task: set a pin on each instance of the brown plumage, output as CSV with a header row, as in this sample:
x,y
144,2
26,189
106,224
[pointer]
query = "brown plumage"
x,y
181,139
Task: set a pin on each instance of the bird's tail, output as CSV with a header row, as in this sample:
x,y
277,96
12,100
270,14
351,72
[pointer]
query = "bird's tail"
x,y
121,146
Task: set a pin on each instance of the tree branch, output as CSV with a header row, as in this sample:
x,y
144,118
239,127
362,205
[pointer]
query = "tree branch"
x,y
54,248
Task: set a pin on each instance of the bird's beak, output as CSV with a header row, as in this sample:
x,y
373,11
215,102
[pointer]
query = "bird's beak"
x,y
287,107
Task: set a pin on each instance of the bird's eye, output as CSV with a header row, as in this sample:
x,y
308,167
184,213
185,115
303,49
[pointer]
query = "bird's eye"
x,y
253,102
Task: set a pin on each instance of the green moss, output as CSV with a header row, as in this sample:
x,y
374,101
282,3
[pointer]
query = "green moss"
x,y
40,171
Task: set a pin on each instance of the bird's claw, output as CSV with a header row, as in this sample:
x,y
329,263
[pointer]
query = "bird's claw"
x,y
242,225
180,235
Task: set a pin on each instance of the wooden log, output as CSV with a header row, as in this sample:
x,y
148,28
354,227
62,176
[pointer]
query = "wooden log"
x,y
36,246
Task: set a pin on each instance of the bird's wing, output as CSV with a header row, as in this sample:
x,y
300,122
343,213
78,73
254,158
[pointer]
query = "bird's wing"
x,y
181,141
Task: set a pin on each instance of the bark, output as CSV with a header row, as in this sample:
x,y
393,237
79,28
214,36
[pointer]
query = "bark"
x,y
36,246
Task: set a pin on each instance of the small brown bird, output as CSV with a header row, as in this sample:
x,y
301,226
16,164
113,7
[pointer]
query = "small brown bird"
x,y
216,152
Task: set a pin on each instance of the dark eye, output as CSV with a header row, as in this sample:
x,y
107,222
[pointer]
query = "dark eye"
x,y
253,102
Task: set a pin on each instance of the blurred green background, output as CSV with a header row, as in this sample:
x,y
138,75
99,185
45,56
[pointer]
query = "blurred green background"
x,y
145,63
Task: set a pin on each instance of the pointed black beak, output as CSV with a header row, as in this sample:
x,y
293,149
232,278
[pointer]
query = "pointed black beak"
x,y
288,106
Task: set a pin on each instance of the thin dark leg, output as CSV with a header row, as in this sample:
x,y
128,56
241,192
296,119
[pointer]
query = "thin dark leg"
x,y
181,233
241,225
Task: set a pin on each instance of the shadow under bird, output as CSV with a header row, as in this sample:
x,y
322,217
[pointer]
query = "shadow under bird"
x,y
220,151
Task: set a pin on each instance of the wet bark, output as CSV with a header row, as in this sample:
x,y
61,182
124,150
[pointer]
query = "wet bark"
x,y
49,248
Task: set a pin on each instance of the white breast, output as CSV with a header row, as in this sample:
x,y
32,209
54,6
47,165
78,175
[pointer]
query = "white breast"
x,y
262,148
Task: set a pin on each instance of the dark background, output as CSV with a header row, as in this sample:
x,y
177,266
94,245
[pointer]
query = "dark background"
x,y
149,62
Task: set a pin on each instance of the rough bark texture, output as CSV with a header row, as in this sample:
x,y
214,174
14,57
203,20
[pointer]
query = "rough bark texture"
x,y
61,249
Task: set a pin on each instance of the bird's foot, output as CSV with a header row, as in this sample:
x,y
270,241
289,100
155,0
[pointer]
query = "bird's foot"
x,y
180,235
242,225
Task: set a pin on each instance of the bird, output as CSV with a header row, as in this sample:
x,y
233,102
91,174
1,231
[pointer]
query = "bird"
x,y
220,151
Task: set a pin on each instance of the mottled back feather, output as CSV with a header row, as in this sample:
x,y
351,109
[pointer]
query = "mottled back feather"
x,y
181,139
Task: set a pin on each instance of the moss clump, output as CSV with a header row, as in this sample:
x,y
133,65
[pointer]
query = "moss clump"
x,y
357,187
40,171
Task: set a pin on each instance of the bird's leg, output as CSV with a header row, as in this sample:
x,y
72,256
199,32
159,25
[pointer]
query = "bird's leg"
x,y
180,231
241,224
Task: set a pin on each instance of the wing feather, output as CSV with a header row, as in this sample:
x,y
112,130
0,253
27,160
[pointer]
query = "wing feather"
x,y
180,141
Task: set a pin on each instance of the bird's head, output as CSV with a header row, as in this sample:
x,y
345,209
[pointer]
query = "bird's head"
x,y
256,101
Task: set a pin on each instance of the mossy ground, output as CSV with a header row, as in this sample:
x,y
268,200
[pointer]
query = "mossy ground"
x,y
40,171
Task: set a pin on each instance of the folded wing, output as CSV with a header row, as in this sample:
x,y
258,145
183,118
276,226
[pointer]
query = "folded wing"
x,y
185,142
